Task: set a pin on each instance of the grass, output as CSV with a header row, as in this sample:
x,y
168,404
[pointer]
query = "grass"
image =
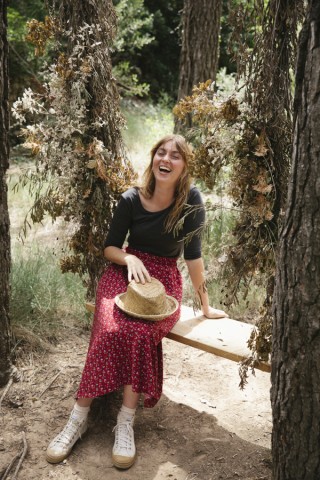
x,y
43,300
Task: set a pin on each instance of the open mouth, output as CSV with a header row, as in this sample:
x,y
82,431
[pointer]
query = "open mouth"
x,y
164,169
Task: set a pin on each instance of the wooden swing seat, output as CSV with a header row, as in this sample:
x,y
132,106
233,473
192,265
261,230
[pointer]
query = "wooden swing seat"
x,y
223,337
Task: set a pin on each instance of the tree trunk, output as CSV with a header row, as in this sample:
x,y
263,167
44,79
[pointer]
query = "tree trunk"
x,y
200,42
5,364
102,103
296,334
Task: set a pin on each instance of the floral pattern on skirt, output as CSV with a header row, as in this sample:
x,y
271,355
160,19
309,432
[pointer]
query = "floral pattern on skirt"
x,y
124,350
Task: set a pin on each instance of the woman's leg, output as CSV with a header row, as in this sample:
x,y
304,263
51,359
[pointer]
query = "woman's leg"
x,y
130,398
84,402
124,450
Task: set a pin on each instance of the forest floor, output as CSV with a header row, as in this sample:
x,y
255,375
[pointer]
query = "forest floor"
x,y
203,428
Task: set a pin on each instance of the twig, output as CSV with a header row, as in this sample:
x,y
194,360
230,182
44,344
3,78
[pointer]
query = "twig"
x,y
23,454
6,390
48,386
27,67
176,378
9,467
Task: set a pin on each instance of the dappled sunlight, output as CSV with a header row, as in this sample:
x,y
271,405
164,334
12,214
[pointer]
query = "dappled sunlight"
x,y
176,471
209,384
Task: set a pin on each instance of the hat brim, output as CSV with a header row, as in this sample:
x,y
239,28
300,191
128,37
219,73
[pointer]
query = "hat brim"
x,y
172,307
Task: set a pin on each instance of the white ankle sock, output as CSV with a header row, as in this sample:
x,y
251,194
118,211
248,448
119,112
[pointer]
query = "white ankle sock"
x,y
126,414
80,413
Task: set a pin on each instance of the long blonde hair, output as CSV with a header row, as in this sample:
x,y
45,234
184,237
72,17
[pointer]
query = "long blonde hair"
x,y
184,182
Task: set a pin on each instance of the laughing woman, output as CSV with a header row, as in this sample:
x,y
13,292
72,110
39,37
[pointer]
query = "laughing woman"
x,y
125,351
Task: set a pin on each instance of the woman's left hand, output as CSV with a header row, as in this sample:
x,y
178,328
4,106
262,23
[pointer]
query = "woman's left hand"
x,y
213,313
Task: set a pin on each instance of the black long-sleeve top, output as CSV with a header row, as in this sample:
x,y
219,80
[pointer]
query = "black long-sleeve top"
x,y
147,229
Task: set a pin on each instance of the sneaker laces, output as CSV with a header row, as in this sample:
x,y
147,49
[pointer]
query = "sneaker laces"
x,y
124,436
69,432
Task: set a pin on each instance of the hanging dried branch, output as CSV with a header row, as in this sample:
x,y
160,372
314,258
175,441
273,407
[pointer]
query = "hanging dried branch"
x,y
81,164
251,133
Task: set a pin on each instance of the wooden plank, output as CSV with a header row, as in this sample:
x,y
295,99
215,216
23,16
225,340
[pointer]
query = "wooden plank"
x,y
90,307
223,337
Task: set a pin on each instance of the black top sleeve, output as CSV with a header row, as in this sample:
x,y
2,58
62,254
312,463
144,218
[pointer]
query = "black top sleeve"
x,y
120,224
193,225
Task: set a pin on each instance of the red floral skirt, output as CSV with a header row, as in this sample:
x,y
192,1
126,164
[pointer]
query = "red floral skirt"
x,y
124,350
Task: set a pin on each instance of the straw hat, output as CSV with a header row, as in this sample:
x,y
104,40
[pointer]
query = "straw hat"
x,y
147,301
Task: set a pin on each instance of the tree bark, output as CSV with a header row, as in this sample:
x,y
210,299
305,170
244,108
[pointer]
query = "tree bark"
x,y
200,43
296,333
5,364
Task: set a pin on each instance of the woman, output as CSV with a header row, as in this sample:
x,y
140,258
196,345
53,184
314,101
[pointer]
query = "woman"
x,y
124,351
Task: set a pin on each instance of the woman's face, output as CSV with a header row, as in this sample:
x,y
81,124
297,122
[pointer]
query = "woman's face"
x,y
168,164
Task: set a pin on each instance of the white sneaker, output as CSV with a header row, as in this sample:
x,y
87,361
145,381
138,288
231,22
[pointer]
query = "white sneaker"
x,y
124,450
62,444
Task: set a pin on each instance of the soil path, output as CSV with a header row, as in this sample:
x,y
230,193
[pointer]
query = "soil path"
x,y
203,428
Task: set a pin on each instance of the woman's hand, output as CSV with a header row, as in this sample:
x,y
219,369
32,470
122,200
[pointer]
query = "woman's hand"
x,y
136,269
210,312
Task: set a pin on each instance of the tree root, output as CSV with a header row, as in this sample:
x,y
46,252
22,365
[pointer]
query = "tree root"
x,y
7,470
15,376
21,455
6,390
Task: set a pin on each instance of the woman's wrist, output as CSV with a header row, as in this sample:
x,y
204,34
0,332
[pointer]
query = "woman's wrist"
x,y
128,257
205,310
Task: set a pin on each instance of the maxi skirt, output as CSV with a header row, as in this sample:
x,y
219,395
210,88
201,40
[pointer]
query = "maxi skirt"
x,y
124,350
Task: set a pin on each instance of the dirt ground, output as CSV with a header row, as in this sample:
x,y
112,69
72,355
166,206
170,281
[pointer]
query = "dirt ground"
x,y
203,428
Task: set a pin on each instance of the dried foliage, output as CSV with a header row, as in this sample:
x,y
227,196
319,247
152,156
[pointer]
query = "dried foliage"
x,y
73,130
40,32
228,137
250,133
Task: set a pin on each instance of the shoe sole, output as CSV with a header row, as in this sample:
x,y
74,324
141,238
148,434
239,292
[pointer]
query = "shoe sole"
x,y
63,457
124,465
57,459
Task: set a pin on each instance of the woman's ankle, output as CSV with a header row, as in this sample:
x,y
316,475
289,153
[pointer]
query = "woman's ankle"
x,y
80,413
84,402
126,414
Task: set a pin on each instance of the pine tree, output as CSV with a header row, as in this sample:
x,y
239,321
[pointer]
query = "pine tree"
x,y
5,364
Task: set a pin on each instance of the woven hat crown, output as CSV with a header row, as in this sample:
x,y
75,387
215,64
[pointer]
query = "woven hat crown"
x,y
148,300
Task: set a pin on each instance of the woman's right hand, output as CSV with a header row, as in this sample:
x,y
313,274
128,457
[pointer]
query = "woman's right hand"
x,y
136,269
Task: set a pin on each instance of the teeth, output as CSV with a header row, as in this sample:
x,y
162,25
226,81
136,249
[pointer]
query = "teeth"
x,y
164,169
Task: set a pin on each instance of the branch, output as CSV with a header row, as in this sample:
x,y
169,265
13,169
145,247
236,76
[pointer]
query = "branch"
x,y
26,64
48,386
22,455
6,391
9,467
